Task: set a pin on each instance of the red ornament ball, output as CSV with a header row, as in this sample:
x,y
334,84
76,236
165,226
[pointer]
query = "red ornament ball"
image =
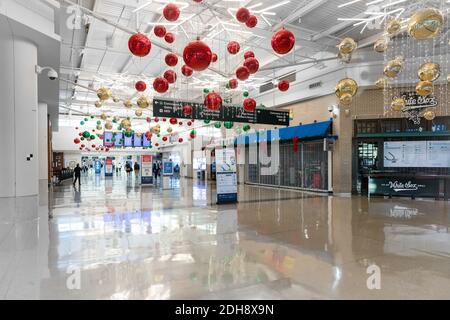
x,y
189,124
93,146
140,86
170,76
197,55
173,121
251,22
164,119
186,71
242,73
252,64
164,139
157,144
233,47
249,105
139,45
233,84
169,37
187,110
76,141
242,15
283,41
107,149
161,85
180,123
160,31
249,54
82,146
171,12
171,59
214,57
149,119
180,140
156,119
283,85
213,101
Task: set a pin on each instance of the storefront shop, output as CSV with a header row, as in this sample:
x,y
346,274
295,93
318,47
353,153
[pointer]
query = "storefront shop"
x,y
395,157
303,161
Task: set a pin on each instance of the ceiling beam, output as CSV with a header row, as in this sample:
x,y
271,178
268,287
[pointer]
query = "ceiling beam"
x,y
301,10
337,27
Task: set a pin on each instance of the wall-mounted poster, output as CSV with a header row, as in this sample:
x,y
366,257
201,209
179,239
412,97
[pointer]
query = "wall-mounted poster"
x,y
404,154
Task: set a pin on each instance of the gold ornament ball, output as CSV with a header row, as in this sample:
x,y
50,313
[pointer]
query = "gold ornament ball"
x,y
429,71
103,116
169,130
126,124
108,125
156,129
143,102
116,99
138,113
380,45
346,86
104,93
425,24
346,99
393,27
127,104
429,115
139,134
98,104
99,127
398,104
393,67
424,88
347,46
381,83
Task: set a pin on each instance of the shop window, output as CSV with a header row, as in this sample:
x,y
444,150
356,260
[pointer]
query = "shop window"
x,y
367,126
390,126
368,155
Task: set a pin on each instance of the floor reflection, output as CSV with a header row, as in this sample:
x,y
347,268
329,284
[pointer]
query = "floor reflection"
x,y
130,242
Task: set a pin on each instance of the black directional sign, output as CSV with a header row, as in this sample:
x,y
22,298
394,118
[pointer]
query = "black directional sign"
x,y
174,109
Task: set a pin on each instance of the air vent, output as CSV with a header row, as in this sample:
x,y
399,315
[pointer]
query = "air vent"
x,y
291,77
315,85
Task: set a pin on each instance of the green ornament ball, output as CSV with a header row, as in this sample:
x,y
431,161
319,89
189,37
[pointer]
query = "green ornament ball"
x,y
245,94
82,123
86,119
205,91
217,125
99,122
228,124
207,121
82,139
86,134
92,117
246,127
239,130
93,137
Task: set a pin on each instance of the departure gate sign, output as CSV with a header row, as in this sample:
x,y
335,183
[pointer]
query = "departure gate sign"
x,y
174,109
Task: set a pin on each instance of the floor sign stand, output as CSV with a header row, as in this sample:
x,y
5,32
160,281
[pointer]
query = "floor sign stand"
x,y
226,176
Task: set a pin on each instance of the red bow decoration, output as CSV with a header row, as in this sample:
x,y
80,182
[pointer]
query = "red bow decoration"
x,y
295,142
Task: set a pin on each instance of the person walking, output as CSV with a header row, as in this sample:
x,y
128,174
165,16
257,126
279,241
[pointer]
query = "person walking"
x,y
136,169
77,174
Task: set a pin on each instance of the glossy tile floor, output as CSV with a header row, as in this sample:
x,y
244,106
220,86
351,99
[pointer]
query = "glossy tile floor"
x,y
118,241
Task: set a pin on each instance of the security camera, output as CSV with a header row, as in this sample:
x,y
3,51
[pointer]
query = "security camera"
x,y
331,108
51,74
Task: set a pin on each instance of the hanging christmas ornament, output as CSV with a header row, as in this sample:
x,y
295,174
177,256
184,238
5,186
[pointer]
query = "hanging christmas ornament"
x,y
197,55
161,85
160,31
245,94
398,104
233,47
228,124
86,134
217,125
104,93
116,99
345,90
429,115
186,71
77,141
171,12
381,82
393,67
425,24
249,54
213,101
283,85
169,37
127,104
173,121
139,45
170,76
346,99
206,91
246,127
249,105
171,59
251,22
140,86
283,41
108,125
156,129
242,73
233,84
347,46
193,134
138,112
180,140
242,15
98,104
393,27
380,45
429,71
187,110
252,64
214,57
424,88
169,130
143,102
189,123
295,143
125,123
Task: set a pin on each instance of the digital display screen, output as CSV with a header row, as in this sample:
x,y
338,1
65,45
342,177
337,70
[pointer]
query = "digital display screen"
x,y
107,139
137,140
128,141
119,139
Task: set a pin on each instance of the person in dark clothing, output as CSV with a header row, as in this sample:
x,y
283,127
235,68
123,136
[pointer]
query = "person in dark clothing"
x,y
77,173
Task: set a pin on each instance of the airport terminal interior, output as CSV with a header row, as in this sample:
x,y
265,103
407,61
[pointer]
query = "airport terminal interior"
x,y
224,149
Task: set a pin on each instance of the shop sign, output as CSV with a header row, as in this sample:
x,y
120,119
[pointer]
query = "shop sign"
x,y
404,187
414,101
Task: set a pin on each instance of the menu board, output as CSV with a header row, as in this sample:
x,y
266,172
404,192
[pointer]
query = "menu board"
x,y
430,154
174,109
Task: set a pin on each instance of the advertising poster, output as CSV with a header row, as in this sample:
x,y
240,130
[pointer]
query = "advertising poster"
x,y
430,154
98,167
167,168
226,176
146,170
109,167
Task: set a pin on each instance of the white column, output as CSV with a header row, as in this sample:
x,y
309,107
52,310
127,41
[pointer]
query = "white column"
x,y
43,142
18,123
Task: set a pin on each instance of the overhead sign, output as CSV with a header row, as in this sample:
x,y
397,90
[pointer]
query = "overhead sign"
x,y
404,187
174,109
414,101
